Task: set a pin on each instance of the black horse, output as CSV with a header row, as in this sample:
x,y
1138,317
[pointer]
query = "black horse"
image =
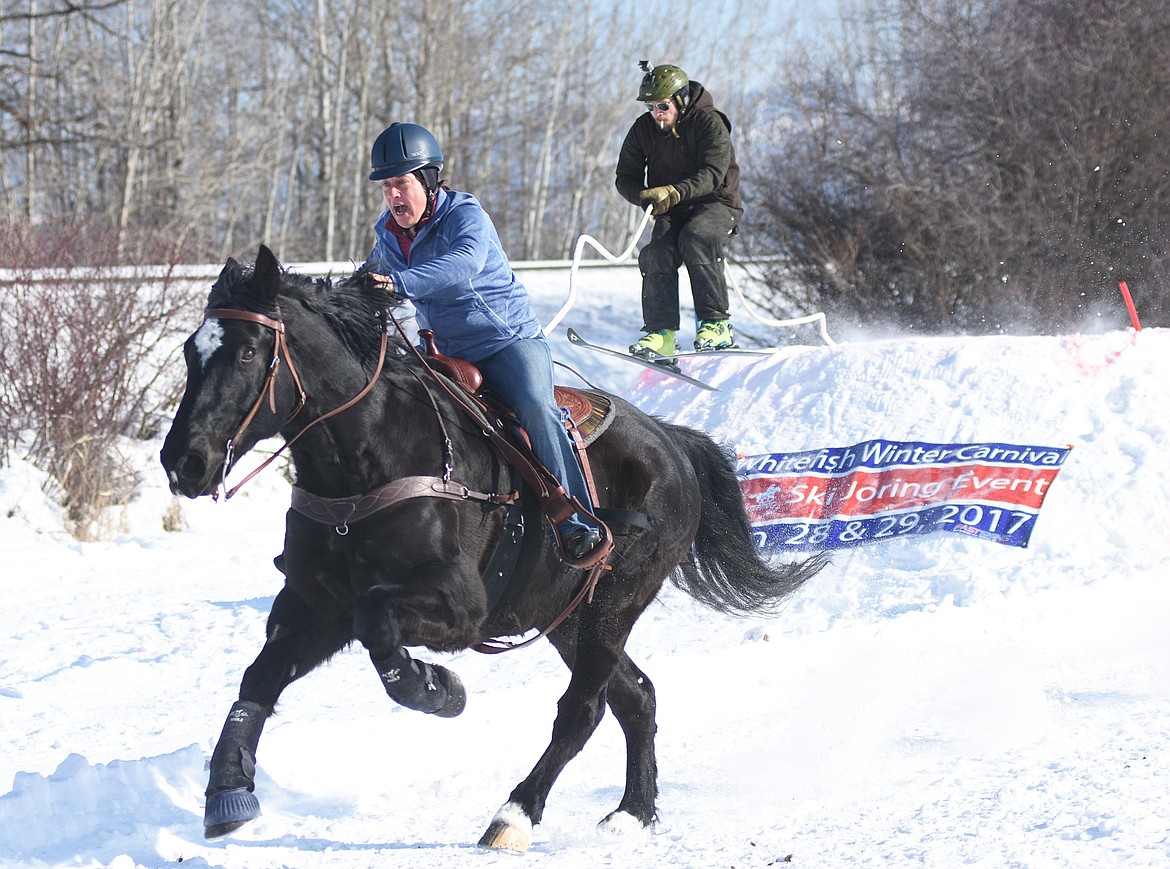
x,y
411,568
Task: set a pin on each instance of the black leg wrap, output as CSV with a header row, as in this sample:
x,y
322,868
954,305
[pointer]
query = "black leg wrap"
x,y
425,687
230,802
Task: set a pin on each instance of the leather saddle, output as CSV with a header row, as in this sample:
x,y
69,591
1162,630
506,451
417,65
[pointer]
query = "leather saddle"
x,y
589,412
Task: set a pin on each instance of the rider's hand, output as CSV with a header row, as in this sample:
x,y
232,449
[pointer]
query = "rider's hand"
x,y
662,199
384,282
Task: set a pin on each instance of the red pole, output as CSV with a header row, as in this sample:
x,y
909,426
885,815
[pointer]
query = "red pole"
x,y
1137,326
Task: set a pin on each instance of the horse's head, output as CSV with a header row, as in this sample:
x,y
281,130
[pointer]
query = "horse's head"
x,y
231,396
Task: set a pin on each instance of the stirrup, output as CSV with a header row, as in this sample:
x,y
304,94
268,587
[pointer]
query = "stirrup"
x,y
596,554
582,542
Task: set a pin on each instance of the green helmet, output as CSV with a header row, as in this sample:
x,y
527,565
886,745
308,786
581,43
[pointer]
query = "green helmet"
x,y
662,82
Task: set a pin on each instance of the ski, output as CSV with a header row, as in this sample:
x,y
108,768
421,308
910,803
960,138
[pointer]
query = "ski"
x,y
666,367
725,351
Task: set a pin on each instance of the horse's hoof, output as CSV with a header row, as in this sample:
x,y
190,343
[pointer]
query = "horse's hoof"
x,y
456,700
229,810
510,830
621,824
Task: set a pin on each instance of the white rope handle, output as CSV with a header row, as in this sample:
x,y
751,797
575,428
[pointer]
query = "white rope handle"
x,y
581,242
768,321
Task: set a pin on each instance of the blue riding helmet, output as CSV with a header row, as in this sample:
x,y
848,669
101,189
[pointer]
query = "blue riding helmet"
x,y
403,148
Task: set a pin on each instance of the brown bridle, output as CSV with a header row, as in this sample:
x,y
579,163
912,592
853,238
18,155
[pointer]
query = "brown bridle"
x,y
279,348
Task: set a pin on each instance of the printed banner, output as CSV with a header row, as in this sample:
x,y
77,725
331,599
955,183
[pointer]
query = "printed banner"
x,y
878,490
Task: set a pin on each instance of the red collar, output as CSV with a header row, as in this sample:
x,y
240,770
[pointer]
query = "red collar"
x,y
405,232
404,237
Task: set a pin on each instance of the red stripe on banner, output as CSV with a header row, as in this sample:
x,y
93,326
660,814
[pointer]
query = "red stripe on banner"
x,y
862,493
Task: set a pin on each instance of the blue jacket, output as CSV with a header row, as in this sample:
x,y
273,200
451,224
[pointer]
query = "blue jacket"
x,y
458,278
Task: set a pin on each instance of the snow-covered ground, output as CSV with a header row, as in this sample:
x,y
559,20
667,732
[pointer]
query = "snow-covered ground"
x,y
936,701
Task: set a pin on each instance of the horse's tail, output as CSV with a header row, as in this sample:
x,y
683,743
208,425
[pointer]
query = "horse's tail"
x,y
724,571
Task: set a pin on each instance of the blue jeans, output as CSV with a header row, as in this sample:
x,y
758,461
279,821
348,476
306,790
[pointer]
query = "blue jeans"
x,y
522,374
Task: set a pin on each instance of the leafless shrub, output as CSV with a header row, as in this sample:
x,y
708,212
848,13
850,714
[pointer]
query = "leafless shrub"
x,y
87,356
172,520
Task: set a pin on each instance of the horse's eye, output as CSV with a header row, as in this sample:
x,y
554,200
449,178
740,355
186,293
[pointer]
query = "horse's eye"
x,y
247,354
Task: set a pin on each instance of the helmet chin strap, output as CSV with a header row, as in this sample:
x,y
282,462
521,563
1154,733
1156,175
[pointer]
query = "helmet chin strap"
x,y
430,183
432,197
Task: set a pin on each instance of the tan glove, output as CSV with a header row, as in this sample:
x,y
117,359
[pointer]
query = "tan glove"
x,y
661,198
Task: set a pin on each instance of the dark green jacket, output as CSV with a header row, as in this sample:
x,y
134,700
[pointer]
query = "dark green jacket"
x,y
699,161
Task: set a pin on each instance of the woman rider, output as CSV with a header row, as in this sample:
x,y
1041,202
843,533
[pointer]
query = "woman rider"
x,y
439,249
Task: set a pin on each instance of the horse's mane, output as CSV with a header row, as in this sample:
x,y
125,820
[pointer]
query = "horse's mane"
x,y
353,306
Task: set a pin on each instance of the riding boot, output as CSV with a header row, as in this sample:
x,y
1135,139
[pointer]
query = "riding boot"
x,y
425,687
660,301
709,289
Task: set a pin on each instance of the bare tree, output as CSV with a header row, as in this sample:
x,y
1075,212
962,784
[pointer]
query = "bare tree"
x,y
227,125
975,165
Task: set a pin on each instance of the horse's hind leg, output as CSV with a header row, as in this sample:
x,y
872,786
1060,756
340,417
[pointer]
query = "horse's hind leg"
x,y
631,697
292,649
594,662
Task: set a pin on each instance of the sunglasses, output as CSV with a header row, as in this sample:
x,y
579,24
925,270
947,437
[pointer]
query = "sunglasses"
x,y
661,107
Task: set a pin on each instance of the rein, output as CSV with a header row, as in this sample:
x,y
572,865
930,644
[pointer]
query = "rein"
x,y
269,389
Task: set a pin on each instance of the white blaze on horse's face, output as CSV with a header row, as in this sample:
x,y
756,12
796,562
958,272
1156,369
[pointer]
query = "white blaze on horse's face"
x,y
208,339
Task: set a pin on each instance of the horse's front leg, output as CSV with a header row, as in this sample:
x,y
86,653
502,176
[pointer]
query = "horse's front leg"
x,y
414,684
288,654
422,588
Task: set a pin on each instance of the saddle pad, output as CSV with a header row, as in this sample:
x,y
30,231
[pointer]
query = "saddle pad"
x,y
590,411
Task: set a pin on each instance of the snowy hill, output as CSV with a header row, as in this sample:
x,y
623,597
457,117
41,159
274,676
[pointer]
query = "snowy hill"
x,y
937,701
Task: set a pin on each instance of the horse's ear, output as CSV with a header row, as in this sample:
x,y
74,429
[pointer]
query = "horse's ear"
x,y
225,285
228,276
267,275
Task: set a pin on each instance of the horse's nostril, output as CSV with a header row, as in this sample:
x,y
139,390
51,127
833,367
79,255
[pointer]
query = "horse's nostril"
x,y
191,467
